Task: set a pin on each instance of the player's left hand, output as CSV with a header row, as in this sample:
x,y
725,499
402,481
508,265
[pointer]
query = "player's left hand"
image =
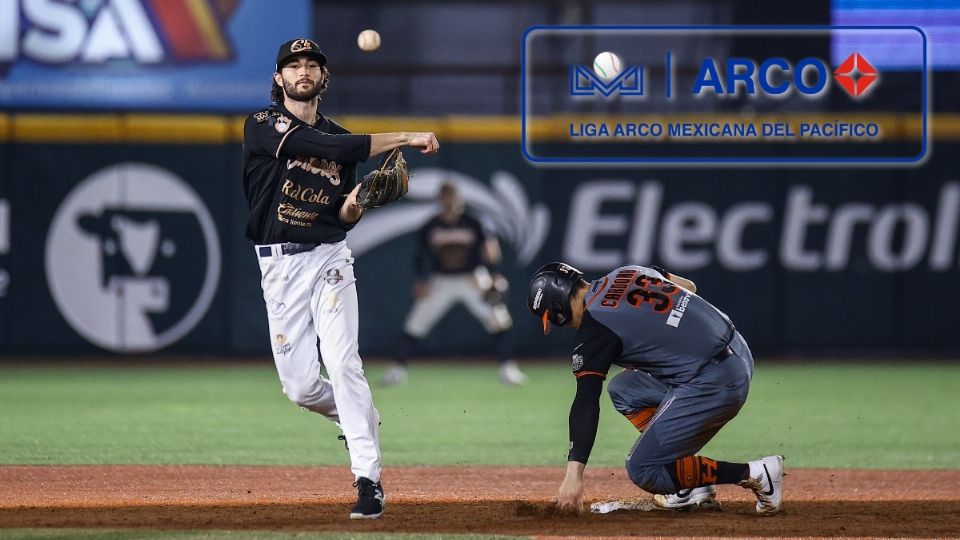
x,y
385,184
496,290
350,211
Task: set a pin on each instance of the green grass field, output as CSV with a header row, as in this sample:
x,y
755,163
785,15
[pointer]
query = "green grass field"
x,y
819,415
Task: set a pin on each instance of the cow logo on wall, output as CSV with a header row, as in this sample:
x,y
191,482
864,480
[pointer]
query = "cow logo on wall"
x,y
133,258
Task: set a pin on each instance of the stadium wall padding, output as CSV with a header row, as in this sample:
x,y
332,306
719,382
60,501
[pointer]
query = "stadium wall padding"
x,y
97,255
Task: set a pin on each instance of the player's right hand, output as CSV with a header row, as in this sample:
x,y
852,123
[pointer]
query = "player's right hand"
x,y
570,497
425,141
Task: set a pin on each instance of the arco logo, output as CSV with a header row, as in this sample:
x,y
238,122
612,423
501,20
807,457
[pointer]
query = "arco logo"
x,y
777,76
855,74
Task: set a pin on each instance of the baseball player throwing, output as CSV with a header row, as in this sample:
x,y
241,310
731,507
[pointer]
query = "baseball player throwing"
x,y
686,374
300,181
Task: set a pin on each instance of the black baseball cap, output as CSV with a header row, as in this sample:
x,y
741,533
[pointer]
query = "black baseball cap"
x,y
300,47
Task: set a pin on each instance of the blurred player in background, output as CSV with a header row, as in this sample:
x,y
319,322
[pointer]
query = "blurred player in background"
x,y
456,262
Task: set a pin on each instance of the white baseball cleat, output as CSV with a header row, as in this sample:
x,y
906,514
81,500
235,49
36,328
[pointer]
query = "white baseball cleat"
x,y
688,499
396,375
766,475
511,375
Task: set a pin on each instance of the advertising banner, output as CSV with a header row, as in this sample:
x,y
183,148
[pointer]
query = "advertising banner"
x,y
117,254
139,248
801,260
644,96
183,55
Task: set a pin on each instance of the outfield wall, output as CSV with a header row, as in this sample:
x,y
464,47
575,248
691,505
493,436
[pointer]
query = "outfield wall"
x,y
131,240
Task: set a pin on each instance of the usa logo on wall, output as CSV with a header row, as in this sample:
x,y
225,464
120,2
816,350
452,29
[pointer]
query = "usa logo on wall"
x,y
150,54
145,32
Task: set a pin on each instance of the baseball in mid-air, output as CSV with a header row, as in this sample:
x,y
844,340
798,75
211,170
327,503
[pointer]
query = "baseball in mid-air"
x,y
607,65
368,40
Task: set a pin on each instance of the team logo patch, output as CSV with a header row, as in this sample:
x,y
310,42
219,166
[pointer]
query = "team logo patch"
x,y
261,116
332,303
281,345
282,124
333,276
577,362
301,45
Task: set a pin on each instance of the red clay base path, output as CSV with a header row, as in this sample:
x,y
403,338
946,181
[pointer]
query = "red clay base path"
x,y
488,500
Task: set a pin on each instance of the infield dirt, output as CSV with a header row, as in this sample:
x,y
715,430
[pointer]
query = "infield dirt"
x,y
488,500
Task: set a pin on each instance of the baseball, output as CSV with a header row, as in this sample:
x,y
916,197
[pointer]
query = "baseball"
x,y
607,65
368,40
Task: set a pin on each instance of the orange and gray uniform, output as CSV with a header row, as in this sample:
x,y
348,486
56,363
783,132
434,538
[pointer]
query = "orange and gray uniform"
x,y
686,371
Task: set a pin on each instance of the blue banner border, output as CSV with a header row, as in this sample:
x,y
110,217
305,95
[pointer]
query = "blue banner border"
x,y
719,160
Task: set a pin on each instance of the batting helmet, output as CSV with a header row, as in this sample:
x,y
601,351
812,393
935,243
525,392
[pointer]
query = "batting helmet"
x,y
549,294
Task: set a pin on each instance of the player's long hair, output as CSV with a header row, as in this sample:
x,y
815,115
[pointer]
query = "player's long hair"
x,y
276,91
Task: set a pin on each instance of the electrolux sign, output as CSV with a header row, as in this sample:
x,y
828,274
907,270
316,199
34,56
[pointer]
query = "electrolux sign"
x,y
662,70
812,229
142,54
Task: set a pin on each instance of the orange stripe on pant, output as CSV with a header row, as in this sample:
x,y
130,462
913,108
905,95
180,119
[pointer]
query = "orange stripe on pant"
x,y
641,418
696,471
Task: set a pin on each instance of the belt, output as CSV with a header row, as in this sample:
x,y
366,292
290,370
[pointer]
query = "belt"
x,y
289,248
724,353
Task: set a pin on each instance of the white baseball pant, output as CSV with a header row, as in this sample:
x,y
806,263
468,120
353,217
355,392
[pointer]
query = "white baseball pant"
x,y
313,295
445,291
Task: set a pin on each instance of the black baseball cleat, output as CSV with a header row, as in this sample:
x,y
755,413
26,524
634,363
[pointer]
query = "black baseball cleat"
x,y
370,500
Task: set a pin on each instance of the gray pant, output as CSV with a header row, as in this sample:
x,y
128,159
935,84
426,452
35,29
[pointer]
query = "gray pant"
x,y
689,414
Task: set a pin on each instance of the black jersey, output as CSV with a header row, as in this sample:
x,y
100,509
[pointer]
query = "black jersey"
x,y
453,248
296,176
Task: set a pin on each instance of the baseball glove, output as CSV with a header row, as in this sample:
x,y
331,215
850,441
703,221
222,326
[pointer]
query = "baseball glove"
x,y
387,183
496,292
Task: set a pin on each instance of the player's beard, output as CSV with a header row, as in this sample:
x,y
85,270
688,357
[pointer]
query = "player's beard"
x,y
295,93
